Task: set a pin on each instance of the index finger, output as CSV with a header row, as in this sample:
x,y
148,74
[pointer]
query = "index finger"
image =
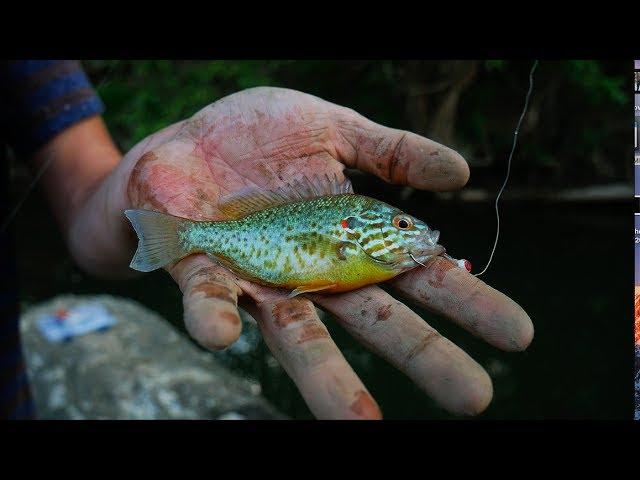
x,y
397,156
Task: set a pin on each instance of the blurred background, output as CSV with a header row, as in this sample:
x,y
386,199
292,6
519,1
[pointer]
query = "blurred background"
x,y
565,247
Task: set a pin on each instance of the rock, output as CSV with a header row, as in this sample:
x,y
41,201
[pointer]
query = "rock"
x,y
141,368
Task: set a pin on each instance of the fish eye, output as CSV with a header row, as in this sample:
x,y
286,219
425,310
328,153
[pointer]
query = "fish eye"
x,y
402,222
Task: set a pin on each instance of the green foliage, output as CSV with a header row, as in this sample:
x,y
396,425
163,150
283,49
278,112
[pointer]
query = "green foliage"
x,y
495,65
598,87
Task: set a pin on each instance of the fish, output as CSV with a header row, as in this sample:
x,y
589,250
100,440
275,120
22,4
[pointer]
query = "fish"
x,y
311,235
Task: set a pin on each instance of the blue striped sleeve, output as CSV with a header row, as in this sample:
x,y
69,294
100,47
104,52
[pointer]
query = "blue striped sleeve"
x,y
43,98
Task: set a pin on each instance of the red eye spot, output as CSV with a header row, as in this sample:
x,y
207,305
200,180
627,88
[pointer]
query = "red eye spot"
x,y
344,224
467,265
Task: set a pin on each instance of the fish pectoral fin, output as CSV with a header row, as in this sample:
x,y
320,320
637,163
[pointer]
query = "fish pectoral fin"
x,y
310,288
312,240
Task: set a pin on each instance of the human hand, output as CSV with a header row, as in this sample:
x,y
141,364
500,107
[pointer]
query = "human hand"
x,y
265,137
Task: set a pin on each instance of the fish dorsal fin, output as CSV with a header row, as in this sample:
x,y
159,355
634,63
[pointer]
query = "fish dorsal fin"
x,y
252,199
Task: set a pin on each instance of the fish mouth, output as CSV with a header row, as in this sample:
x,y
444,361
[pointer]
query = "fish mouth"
x,y
425,253
427,247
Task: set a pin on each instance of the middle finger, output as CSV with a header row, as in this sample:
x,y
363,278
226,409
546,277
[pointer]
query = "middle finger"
x,y
301,343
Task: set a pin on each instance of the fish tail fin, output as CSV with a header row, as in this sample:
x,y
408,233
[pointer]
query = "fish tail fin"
x,y
158,241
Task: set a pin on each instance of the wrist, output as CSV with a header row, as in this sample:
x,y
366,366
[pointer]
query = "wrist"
x,y
97,234
81,190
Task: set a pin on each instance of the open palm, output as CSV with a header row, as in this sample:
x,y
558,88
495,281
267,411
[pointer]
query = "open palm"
x,y
265,137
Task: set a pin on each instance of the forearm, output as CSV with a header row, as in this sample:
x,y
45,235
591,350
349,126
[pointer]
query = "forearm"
x,y
75,162
79,163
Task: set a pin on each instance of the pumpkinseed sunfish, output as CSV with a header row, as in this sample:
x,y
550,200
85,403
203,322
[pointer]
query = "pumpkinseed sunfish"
x,y
311,235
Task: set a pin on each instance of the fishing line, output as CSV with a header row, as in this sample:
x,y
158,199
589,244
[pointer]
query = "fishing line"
x,y
506,179
414,259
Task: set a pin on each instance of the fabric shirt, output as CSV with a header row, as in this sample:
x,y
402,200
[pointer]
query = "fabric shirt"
x,y
38,99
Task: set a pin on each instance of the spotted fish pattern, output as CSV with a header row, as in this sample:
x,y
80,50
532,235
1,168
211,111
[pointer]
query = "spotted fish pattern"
x,y
329,242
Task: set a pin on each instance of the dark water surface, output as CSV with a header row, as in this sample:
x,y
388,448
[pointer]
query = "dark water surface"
x,y
568,266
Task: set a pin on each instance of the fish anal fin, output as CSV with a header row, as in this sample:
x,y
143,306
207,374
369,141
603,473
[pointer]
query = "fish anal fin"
x,y
310,288
253,199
